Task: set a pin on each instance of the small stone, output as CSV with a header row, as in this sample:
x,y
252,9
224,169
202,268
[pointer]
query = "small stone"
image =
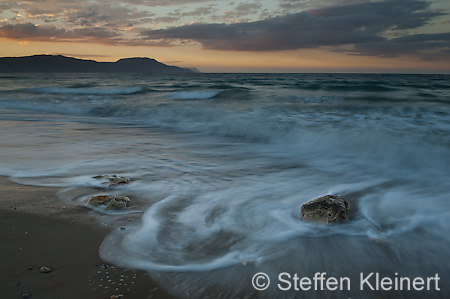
x,y
248,262
114,180
328,208
26,296
104,266
45,269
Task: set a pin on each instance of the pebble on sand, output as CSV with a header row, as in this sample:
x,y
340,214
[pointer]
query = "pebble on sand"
x,y
45,269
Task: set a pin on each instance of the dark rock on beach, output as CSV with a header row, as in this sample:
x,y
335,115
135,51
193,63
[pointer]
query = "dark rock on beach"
x,y
110,202
328,208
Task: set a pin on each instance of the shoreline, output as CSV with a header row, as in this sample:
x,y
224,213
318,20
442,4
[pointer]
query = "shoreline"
x,y
39,230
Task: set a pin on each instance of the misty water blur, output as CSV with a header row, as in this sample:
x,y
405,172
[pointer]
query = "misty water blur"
x,y
220,165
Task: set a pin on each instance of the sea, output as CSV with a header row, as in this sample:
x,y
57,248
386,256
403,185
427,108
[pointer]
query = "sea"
x,y
220,164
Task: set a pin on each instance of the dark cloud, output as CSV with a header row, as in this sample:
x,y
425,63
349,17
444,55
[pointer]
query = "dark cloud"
x,y
309,4
241,12
355,24
163,2
32,32
411,44
177,15
29,31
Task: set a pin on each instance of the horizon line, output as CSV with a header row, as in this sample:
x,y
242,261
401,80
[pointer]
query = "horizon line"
x,y
348,72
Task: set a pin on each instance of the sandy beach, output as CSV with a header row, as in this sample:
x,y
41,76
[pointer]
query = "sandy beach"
x,y
37,229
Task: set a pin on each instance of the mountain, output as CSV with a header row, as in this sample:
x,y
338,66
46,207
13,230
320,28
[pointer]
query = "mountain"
x,y
63,64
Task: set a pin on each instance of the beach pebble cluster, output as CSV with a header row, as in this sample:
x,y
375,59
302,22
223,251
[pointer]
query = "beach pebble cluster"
x,y
112,280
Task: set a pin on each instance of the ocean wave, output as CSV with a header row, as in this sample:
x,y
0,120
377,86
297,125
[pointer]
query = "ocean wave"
x,y
82,85
89,91
346,87
218,184
193,95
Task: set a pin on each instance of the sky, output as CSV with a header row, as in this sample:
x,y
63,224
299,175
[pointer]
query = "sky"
x,y
389,36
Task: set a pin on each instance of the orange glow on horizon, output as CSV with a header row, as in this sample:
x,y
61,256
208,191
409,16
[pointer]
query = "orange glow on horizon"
x,y
317,60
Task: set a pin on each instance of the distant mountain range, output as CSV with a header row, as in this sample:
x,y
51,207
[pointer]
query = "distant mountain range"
x,y
63,64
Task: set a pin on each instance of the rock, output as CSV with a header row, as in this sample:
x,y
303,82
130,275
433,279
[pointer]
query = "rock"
x,y
111,202
112,180
98,200
328,208
45,269
118,203
26,296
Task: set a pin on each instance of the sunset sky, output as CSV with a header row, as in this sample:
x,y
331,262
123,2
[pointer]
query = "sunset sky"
x,y
411,36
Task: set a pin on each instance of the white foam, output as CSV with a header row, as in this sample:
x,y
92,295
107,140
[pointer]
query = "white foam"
x,y
193,95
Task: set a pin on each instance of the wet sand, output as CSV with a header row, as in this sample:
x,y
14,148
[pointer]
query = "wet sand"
x,y
38,229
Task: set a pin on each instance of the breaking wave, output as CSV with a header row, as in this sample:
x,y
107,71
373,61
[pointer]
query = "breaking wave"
x,y
193,95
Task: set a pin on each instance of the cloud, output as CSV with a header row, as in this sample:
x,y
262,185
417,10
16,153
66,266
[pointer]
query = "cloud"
x,y
100,35
29,31
111,15
314,4
354,24
361,27
410,44
177,15
240,12
165,2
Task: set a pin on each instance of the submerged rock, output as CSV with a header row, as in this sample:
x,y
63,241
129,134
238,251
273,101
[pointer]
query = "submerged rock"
x,y
328,208
111,202
113,180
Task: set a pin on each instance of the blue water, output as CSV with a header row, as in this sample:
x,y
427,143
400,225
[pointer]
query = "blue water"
x,y
221,163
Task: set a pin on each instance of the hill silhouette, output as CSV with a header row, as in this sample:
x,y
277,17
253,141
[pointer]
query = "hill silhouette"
x,y
64,64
